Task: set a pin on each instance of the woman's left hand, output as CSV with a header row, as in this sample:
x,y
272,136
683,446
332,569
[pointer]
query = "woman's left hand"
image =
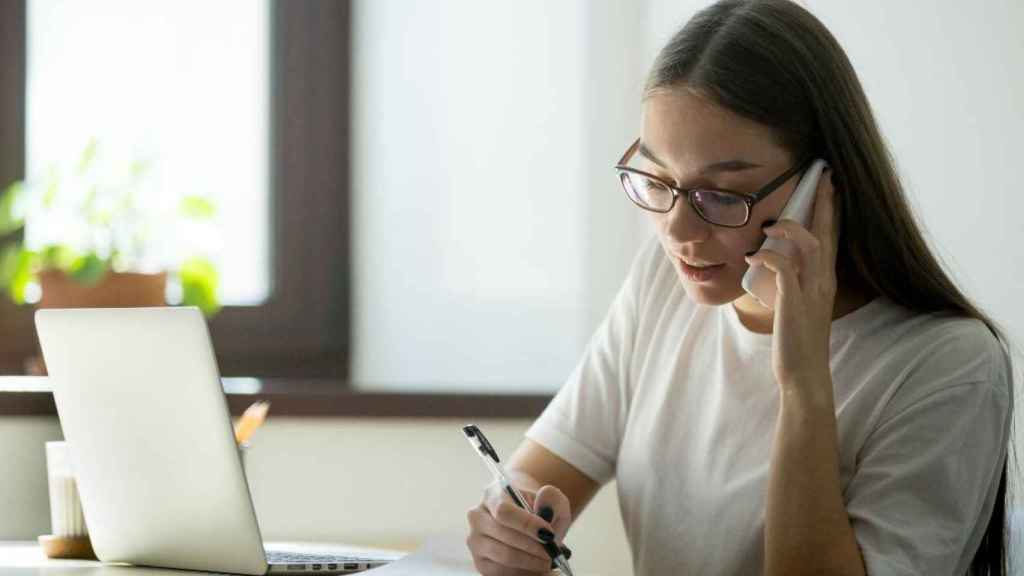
x,y
805,296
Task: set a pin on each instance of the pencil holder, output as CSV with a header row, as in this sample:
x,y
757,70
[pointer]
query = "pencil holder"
x,y
69,536
243,451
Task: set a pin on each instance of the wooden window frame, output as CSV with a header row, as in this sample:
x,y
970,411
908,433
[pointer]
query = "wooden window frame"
x,y
16,329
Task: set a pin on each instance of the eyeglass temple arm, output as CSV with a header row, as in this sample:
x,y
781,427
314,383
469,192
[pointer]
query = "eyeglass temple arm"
x,y
629,152
771,186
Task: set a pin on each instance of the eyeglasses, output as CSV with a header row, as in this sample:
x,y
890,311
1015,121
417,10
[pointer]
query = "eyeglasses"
x,y
713,205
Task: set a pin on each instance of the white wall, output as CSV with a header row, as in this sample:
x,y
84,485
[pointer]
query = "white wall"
x,y
489,230
24,509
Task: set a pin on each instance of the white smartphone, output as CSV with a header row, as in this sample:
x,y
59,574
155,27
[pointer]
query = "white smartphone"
x,y
759,281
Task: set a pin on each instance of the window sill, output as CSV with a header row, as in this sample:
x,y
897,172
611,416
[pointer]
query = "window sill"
x,y
31,396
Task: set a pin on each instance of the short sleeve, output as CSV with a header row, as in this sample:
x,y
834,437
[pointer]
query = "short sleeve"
x,y
926,478
585,421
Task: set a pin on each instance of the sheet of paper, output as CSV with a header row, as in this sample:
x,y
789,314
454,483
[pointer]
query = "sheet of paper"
x,y
446,555
439,555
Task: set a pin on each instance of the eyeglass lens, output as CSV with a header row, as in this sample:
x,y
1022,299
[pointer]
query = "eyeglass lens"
x,y
717,207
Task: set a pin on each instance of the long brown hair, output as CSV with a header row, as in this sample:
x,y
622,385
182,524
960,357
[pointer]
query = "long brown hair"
x,y
773,62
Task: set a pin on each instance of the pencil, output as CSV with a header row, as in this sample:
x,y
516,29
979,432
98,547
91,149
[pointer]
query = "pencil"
x,y
251,419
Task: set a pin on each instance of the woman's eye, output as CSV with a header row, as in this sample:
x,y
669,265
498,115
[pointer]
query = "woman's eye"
x,y
729,199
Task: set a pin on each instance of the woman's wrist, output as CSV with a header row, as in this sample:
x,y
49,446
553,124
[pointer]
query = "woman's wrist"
x,y
810,396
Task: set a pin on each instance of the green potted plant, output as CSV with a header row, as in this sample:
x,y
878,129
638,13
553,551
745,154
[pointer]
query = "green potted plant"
x,y
95,233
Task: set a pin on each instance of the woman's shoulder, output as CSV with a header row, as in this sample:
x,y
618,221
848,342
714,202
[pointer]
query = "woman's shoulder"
x,y
949,332
940,348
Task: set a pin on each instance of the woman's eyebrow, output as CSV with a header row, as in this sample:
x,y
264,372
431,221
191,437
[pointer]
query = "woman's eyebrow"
x,y
723,166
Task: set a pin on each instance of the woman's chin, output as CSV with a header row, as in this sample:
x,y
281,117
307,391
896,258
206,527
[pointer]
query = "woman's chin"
x,y
712,293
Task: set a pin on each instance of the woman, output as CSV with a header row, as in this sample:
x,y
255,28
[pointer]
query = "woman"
x,y
859,427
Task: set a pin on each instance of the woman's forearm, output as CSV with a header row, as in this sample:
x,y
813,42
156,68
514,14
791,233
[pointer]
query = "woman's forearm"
x,y
522,479
807,529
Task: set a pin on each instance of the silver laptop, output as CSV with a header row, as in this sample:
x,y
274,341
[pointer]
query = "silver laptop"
x,y
141,404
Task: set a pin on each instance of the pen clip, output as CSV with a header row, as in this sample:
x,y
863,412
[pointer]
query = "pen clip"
x,y
472,431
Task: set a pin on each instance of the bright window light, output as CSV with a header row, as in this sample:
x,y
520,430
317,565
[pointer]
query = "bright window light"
x,y
182,86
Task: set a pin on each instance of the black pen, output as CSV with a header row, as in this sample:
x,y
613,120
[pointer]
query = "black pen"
x,y
481,446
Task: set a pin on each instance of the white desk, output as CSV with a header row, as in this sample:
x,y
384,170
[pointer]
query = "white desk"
x,y
27,558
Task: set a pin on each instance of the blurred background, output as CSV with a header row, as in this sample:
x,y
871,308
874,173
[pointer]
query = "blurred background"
x,y
415,197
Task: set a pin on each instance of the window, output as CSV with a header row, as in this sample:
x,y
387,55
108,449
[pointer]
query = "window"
x,y
288,304
190,98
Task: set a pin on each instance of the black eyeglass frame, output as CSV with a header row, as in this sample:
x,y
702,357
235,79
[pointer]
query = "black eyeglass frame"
x,y
749,199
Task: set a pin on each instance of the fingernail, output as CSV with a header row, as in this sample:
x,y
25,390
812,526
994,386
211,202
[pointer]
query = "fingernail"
x,y
547,513
565,552
552,549
767,223
545,535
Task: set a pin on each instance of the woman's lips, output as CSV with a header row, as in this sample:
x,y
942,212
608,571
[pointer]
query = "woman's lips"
x,y
699,273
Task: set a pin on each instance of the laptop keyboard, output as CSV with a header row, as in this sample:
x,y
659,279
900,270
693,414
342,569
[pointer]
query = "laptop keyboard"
x,y
280,557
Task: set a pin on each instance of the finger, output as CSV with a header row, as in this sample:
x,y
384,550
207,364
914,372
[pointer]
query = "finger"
x,y
806,242
837,221
807,258
530,496
488,567
786,279
494,494
481,521
508,557
509,515
823,225
555,501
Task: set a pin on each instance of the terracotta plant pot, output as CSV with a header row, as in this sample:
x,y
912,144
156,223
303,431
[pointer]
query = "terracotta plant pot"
x,y
115,290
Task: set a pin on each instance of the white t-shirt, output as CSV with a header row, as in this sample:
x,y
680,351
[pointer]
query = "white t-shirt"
x,y
677,401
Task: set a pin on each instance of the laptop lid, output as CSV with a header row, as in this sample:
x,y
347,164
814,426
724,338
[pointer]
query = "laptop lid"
x,y
140,401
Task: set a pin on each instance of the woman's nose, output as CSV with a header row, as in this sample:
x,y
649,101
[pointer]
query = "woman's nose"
x,y
684,224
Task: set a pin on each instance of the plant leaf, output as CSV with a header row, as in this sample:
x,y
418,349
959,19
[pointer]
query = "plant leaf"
x,y
199,280
88,155
52,188
88,269
10,219
139,169
23,274
9,263
197,207
59,257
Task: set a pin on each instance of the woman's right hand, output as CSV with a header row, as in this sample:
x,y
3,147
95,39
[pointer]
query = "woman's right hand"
x,y
504,539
